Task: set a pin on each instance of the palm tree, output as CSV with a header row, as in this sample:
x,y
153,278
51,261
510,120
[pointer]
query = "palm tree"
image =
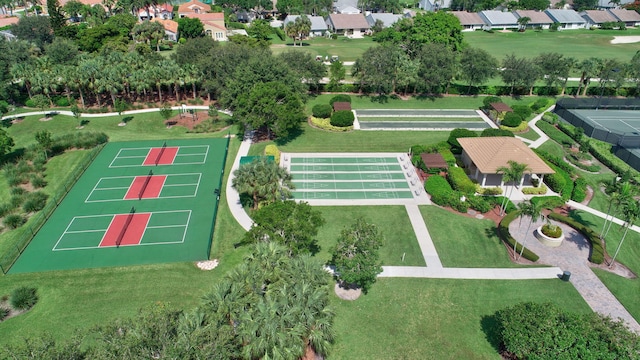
x,y
523,21
588,67
512,173
534,211
622,195
631,212
263,180
291,29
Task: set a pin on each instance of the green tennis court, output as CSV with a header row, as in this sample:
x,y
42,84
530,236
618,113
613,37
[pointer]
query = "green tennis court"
x,y
349,177
138,203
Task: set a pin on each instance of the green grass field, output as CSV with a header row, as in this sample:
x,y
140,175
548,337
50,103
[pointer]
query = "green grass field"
x,y
346,49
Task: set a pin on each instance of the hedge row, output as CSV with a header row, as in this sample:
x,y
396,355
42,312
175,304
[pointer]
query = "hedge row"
x,y
540,190
272,150
555,134
597,251
579,190
325,124
460,181
556,160
443,194
342,118
505,235
518,129
602,151
559,182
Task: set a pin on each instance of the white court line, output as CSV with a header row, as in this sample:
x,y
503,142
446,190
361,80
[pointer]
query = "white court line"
x,y
128,245
184,235
92,190
198,186
165,226
64,232
115,158
634,129
83,231
114,188
132,157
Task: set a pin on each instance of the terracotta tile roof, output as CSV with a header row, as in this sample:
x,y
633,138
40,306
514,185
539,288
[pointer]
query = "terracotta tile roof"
x,y
537,17
207,16
625,15
468,18
349,21
338,106
85,2
8,21
169,25
434,161
490,153
598,16
189,7
501,107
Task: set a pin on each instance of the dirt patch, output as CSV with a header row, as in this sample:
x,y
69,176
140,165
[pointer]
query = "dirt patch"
x,y
347,293
188,120
12,312
493,214
207,265
589,196
46,118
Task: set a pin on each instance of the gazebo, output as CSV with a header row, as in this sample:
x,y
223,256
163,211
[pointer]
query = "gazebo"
x,y
341,105
497,110
433,161
483,156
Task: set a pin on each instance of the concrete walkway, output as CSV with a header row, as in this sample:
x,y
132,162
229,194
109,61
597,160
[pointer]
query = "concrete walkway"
x,y
600,214
429,252
532,124
572,255
233,197
99,115
471,273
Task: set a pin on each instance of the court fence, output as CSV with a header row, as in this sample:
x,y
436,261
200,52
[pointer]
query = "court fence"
x,y
218,190
37,221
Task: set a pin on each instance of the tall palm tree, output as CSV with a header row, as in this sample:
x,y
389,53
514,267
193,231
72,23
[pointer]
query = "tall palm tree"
x,y
588,68
622,195
631,212
534,211
523,22
512,173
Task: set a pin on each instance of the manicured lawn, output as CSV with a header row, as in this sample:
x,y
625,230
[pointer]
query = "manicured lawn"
x,y
469,243
346,49
626,290
316,140
579,44
436,319
552,148
392,221
530,134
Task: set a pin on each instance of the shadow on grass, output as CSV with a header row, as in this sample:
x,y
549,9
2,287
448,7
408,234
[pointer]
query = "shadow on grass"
x,y
578,216
293,134
126,119
84,122
6,123
431,97
489,325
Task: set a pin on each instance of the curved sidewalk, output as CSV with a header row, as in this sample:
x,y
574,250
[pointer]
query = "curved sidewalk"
x,y
233,197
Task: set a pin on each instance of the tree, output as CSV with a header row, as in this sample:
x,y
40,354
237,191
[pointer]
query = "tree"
x,y
41,102
45,141
620,194
165,111
120,106
6,143
512,173
377,68
35,29
272,106
298,29
519,72
55,16
438,66
588,69
287,223
62,51
148,32
477,66
534,211
356,257
260,30
337,73
581,5
523,22
264,181
190,28
631,212
540,5
77,113
304,66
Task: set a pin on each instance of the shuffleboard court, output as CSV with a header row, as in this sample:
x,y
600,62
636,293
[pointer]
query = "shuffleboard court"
x,y
420,119
363,177
416,113
423,125
124,211
362,119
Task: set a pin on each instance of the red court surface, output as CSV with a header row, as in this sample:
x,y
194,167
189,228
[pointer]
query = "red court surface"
x,y
151,192
132,235
167,157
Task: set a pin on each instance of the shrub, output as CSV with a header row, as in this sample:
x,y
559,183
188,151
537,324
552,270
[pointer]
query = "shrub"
x,y
597,251
576,161
272,150
490,99
35,202
539,104
5,209
455,134
24,298
488,191
579,190
518,129
342,118
30,103
38,181
552,231
62,101
555,134
535,190
479,203
16,200
340,98
505,235
322,111
460,181
511,119
4,312
14,221
437,185
523,110
602,151
325,124
551,118
496,132
555,182
17,191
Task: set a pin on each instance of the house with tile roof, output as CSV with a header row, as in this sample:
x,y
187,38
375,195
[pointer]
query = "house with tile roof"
x,y
499,20
213,24
170,28
387,19
484,156
318,25
193,7
539,19
567,19
596,18
351,25
628,17
160,11
469,21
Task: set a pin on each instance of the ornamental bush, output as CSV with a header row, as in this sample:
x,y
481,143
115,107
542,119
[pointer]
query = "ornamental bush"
x,y
496,132
539,104
340,98
579,190
552,231
555,182
535,190
23,298
343,118
511,120
272,150
479,203
35,201
460,181
523,110
322,111
459,133
13,221
490,99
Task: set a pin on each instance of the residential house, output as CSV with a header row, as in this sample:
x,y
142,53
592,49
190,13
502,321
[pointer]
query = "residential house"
x,y
628,17
409,14
245,17
213,24
170,28
346,7
568,19
318,25
539,19
469,21
387,19
193,7
160,11
595,18
434,5
607,4
484,156
351,25
498,20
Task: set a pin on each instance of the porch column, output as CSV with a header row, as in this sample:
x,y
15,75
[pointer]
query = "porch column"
x,y
476,176
522,180
484,179
541,178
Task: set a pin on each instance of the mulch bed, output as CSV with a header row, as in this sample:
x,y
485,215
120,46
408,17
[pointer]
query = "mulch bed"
x,y
187,120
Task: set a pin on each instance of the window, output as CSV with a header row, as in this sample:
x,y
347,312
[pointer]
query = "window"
x,y
208,32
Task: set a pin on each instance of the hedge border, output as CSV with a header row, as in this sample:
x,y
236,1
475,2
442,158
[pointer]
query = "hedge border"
x,y
597,250
505,235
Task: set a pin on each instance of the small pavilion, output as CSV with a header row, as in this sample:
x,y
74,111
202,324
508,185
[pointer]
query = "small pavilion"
x,y
434,161
483,156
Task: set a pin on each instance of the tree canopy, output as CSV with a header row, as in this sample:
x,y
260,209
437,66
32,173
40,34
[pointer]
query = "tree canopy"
x,y
263,181
189,28
6,143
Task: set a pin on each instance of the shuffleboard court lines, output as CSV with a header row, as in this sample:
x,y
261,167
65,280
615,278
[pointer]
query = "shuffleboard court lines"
x,y
345,160
347,168
349,185
311,176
